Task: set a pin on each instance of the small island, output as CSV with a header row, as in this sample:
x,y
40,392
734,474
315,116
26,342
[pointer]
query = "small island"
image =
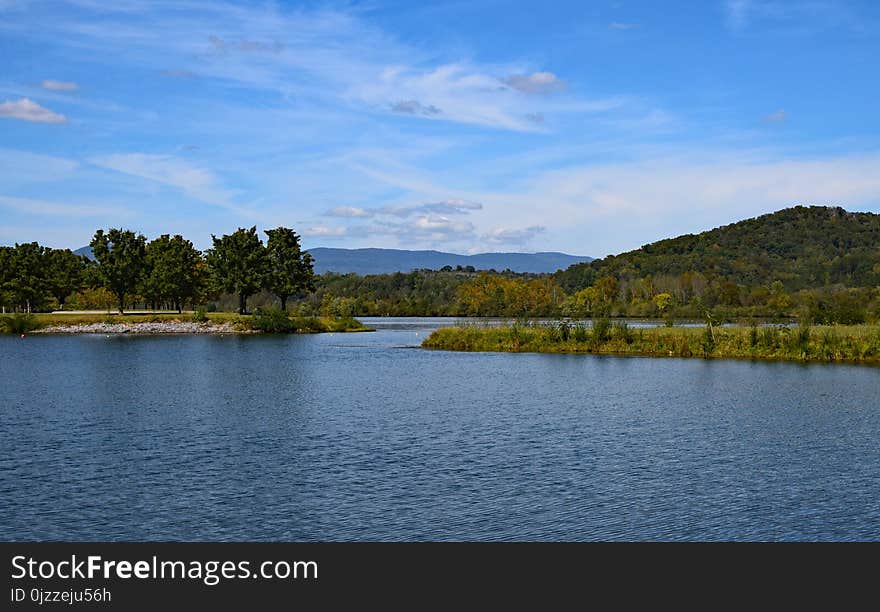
x,y
825,343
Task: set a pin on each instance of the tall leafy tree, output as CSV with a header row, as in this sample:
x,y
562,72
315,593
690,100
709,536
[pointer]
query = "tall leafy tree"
x,y
7,273
175,270
121,256
66,272
27,284
238,263
290,270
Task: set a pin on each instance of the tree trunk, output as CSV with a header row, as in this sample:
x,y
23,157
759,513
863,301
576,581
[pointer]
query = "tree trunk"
x,y
283,302
121,303
242,303
177,305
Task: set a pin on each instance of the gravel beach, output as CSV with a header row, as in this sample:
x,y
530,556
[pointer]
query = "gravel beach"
x,y
164,327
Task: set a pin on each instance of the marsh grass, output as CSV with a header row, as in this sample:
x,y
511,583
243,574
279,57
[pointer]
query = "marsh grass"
x,y
855,343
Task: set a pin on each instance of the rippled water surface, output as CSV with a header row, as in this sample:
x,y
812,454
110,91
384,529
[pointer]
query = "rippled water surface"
x,y
364,436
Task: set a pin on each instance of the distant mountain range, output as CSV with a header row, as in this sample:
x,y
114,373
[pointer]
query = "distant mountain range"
x,y
388,261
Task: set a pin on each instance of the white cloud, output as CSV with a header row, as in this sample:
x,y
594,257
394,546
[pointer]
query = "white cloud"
x,y
619,25
446,207
535,83
23,168
348,211
608,208
511,236
323,59
419,230
31,206
28,110
198,183
53,85
325,231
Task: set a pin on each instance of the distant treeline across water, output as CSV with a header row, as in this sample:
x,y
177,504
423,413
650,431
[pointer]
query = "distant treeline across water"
x,y
814,264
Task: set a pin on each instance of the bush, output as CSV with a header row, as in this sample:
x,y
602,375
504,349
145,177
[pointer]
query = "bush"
x,y
580,332
19,323
308,324
200,316
621,331
601,330
273,321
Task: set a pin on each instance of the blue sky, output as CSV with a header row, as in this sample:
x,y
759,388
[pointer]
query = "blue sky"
x,y
585,127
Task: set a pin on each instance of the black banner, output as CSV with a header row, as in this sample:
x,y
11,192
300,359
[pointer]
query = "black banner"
x,y
131,576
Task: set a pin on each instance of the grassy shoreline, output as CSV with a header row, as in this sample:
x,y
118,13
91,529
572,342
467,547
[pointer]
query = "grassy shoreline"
x,y
819,344
224,322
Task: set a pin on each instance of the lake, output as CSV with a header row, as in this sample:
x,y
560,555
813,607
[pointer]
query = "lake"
x,y
367,437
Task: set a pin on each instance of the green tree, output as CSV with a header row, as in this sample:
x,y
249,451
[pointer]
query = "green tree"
x,y
662,301
175,271
238,264
290,270
66,273
27,281
7,257
121,256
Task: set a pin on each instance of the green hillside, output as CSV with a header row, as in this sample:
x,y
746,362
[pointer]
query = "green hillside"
x,y
802,247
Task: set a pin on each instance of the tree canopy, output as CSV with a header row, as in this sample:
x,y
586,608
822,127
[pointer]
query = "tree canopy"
x,y
238,263
289,269
121,256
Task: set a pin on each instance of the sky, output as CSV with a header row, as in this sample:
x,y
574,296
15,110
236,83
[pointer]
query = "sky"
x,y
588,127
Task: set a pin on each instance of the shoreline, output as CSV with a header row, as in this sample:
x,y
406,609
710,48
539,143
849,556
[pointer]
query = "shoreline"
x,y
144,328
217,324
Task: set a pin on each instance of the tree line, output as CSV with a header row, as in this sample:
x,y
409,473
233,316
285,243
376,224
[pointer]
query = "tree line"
x,y
816,264
167,271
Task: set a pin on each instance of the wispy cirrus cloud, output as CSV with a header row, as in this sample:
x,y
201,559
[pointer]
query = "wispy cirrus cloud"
x,y
26,109
196,182
332,58
39,207
446,207
53,85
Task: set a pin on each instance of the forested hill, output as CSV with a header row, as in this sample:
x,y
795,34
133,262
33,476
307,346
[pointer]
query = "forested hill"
x,y
389,261
802,247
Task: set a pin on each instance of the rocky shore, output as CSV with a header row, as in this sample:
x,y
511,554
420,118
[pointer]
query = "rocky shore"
x,y
163,327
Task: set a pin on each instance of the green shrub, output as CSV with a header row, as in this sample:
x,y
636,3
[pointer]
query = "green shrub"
x,y
621,331
200,316
273,321
564,330
19,323
309,324
601,330
580,332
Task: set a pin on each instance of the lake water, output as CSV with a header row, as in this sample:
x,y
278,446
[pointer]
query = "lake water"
x,y
366,437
